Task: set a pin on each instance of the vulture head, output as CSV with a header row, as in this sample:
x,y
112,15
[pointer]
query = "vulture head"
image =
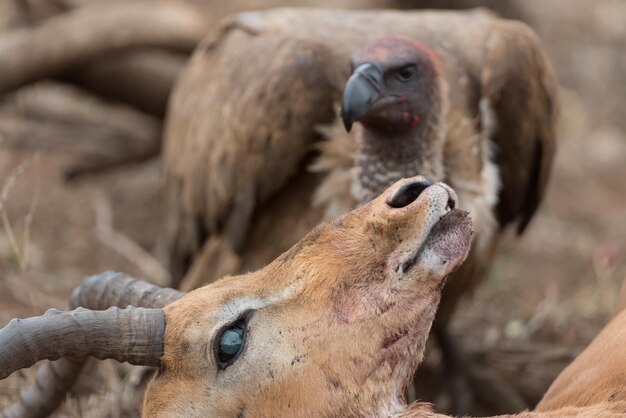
x,y
395,91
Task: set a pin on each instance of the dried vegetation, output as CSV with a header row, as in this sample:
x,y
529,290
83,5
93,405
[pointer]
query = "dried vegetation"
x,y
80,180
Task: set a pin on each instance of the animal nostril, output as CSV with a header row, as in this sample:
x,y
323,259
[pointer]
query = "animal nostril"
x,y
407,193
451,204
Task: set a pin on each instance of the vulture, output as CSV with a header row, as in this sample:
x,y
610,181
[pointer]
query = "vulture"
x,y
257,149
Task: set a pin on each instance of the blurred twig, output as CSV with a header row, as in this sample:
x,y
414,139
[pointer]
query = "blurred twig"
x,y
123,245
142,77
64,119
93,31
9,183
21,248
526,353
6,189
23,292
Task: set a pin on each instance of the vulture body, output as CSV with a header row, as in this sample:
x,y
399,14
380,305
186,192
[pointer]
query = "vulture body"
x,y
256,156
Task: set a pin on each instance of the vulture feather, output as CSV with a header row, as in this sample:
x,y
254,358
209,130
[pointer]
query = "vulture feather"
x,y
256,155
256,152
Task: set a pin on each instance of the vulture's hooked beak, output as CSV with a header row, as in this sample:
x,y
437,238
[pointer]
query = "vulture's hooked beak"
x,y
364,87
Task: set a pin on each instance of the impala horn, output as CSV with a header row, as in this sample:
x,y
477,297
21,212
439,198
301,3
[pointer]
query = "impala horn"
x,y
127,334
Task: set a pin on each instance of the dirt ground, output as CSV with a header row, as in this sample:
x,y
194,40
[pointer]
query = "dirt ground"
x,y
548,294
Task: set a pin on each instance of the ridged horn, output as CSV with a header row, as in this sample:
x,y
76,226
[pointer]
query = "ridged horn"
x,y
117,289
133,335
55,379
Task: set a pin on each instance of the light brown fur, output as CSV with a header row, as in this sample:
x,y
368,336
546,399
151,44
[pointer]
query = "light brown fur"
x,y
338,328
325,315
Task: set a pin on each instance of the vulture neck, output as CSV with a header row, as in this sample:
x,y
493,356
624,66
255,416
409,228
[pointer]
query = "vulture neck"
x,y
385,157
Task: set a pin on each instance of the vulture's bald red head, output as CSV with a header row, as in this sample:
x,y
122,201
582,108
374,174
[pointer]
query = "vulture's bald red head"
x,y
393,85
396,93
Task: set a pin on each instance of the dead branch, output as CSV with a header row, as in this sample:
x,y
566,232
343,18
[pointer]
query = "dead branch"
x,y
57,118
125,246
16,13
83,34
20,248
526,353
94,142
64,103
10,15
28,294
142,78
87,168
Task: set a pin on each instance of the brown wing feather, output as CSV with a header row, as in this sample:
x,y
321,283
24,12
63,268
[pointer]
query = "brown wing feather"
x,y
518,80
239,126
241,119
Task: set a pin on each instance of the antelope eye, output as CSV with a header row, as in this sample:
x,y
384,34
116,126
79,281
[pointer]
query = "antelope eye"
x,y
407,73
230,343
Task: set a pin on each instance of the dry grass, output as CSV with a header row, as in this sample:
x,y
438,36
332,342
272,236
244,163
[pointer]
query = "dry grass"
x,y
548,293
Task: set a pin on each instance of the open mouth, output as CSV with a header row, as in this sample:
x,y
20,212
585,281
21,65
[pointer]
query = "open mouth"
x,y
440,220
450,217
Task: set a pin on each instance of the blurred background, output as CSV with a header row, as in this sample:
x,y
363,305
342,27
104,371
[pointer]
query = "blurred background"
x,y
81,184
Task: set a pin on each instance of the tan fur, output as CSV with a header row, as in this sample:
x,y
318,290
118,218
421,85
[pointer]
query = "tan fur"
x,y
323,311
339,326
602,410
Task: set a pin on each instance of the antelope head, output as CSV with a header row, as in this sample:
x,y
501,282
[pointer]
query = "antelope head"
x,y
334,327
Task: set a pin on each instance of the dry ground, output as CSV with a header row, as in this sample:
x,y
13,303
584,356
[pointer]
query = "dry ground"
x,y
547,295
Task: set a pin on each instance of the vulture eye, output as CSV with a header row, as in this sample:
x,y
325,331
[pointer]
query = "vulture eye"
x,y
407,73
230,341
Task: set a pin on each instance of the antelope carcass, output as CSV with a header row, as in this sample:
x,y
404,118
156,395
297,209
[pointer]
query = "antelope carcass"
x,y
334,327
